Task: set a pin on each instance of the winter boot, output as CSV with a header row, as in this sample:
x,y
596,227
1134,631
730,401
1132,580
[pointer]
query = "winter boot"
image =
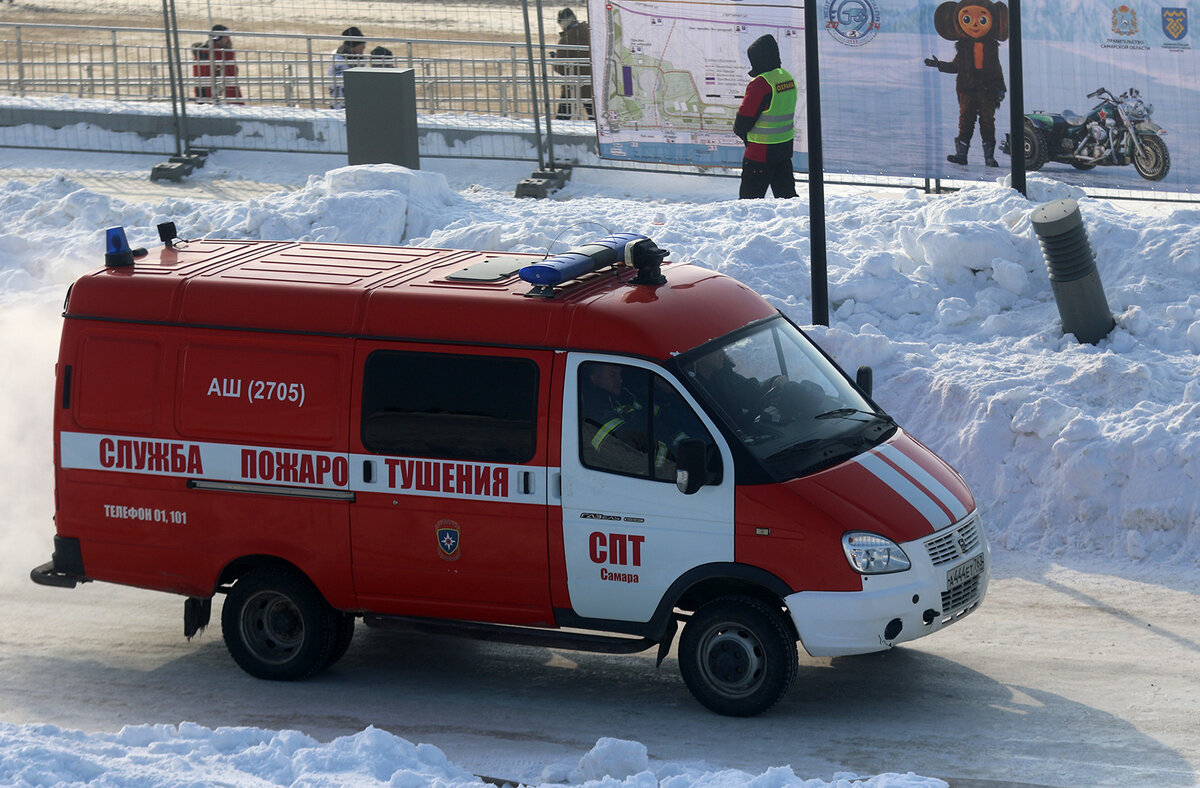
x,y
960,152
989,154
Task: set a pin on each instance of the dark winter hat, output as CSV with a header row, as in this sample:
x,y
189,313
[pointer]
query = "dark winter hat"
x,y
566,13
219,31
353,36
381,52
763,55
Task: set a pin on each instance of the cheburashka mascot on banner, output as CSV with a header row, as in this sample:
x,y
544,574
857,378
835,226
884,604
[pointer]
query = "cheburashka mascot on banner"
x,y
976,27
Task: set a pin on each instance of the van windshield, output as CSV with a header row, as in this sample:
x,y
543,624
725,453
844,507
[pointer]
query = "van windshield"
x,y
784,400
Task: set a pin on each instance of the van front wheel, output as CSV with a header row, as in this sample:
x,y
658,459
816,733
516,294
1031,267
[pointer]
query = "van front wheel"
x,y
738,656
277,625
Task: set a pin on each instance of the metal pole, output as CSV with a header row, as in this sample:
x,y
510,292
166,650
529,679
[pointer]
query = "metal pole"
x,y
1016,98
20,64
545,87
175,76
816,170
116,70
537,126
312,76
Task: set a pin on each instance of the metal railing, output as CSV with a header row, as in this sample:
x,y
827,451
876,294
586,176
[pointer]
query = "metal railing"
x,y
283,70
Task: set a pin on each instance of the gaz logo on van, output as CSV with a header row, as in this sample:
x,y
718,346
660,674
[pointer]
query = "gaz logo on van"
x,y
448,539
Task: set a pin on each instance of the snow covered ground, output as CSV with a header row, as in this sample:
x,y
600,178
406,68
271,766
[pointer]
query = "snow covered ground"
x,y
1087,457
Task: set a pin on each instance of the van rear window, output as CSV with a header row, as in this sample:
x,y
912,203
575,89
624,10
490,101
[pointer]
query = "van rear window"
x,y
464,407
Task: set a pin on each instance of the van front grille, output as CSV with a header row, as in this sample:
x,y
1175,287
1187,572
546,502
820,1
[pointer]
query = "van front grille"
x,y
954,543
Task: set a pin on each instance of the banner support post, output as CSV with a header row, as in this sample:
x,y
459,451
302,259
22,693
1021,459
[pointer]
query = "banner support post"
x,y
816,171
1016,99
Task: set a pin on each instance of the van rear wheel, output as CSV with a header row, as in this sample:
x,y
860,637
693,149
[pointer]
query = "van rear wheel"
x,y
277,625
738,656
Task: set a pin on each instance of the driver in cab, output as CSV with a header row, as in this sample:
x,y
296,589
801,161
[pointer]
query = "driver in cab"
x,y
746,399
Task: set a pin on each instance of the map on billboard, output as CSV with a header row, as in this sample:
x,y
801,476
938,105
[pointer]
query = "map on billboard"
x,y
670,75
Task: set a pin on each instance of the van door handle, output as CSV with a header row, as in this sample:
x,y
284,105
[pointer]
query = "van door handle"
x,y
368,471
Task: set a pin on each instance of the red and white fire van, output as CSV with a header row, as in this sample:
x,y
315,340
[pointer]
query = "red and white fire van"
x,y
582,451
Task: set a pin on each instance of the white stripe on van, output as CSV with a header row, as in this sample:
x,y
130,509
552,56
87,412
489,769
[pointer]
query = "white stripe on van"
x,y
916,497
925,479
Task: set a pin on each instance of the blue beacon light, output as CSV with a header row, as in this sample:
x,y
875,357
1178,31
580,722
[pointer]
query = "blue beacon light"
x,y
117,252
577,262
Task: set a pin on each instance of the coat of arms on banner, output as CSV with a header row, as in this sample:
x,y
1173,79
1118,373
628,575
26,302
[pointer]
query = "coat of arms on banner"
x,y
1175,23
448,539
1124,22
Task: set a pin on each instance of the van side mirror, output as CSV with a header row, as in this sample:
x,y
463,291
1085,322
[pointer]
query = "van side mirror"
x,y
691,465
865,378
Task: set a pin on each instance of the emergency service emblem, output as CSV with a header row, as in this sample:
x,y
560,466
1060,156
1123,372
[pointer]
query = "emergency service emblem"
x,y
447,539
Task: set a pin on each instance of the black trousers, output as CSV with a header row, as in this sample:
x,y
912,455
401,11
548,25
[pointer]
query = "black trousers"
x,y
757,176
972,106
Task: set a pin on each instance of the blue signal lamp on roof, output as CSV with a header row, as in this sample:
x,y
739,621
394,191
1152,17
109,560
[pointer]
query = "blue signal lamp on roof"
x,y
117,253
631,248
116,248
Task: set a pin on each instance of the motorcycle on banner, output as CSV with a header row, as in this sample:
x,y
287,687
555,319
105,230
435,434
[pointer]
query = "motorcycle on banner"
x,y
1117,131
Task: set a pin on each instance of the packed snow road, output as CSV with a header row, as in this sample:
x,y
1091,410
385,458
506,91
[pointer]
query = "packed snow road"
x,y
1060,679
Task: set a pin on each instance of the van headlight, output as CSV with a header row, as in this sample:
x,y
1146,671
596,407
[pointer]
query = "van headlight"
x,y
871,554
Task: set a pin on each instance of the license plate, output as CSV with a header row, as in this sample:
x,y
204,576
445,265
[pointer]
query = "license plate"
x,y
964,572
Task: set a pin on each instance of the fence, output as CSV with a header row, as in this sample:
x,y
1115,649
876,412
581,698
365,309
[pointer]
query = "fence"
x,y
486,82
273,70
490,63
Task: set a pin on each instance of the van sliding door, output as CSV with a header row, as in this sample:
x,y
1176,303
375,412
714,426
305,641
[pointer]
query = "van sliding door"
x,y
449,465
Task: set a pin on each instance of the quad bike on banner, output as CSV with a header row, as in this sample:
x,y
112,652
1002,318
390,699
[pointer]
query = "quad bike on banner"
x,y
1116,132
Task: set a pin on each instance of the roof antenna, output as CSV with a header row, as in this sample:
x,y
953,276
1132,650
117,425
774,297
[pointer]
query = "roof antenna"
x,y
574,224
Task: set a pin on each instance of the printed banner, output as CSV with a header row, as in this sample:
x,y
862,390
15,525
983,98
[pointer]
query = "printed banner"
x,y
669,75
1111,93
915,88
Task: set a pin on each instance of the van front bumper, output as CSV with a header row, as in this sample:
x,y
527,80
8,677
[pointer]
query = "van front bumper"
x,y
947,580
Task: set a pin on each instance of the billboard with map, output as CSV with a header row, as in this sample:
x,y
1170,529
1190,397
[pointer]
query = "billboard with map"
x,y
669,76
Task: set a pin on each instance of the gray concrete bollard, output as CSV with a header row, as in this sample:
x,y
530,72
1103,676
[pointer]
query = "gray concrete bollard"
x,y
1071,264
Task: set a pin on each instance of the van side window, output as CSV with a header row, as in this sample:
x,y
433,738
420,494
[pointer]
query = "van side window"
x,y
461,407
630,421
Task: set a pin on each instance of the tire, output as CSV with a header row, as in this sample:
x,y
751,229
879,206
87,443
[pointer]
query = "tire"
x,y
278,626
738,656
1153,162
343,634
1036,148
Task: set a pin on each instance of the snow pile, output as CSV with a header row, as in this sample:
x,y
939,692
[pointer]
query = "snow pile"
x,y
154,756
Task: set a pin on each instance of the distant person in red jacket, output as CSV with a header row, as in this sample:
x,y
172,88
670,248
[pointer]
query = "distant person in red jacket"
x,y
765,123
214,69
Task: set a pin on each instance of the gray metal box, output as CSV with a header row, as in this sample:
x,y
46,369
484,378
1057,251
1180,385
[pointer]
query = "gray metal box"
x,y
381,117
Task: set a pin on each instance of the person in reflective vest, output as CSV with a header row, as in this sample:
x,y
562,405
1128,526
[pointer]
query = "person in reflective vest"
x,y
614,422
764,123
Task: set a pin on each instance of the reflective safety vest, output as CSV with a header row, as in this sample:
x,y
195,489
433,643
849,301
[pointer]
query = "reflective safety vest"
x,y
774,125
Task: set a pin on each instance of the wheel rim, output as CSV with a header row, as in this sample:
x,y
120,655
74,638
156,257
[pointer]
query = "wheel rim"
x,y
1147,158
272,627
732,660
